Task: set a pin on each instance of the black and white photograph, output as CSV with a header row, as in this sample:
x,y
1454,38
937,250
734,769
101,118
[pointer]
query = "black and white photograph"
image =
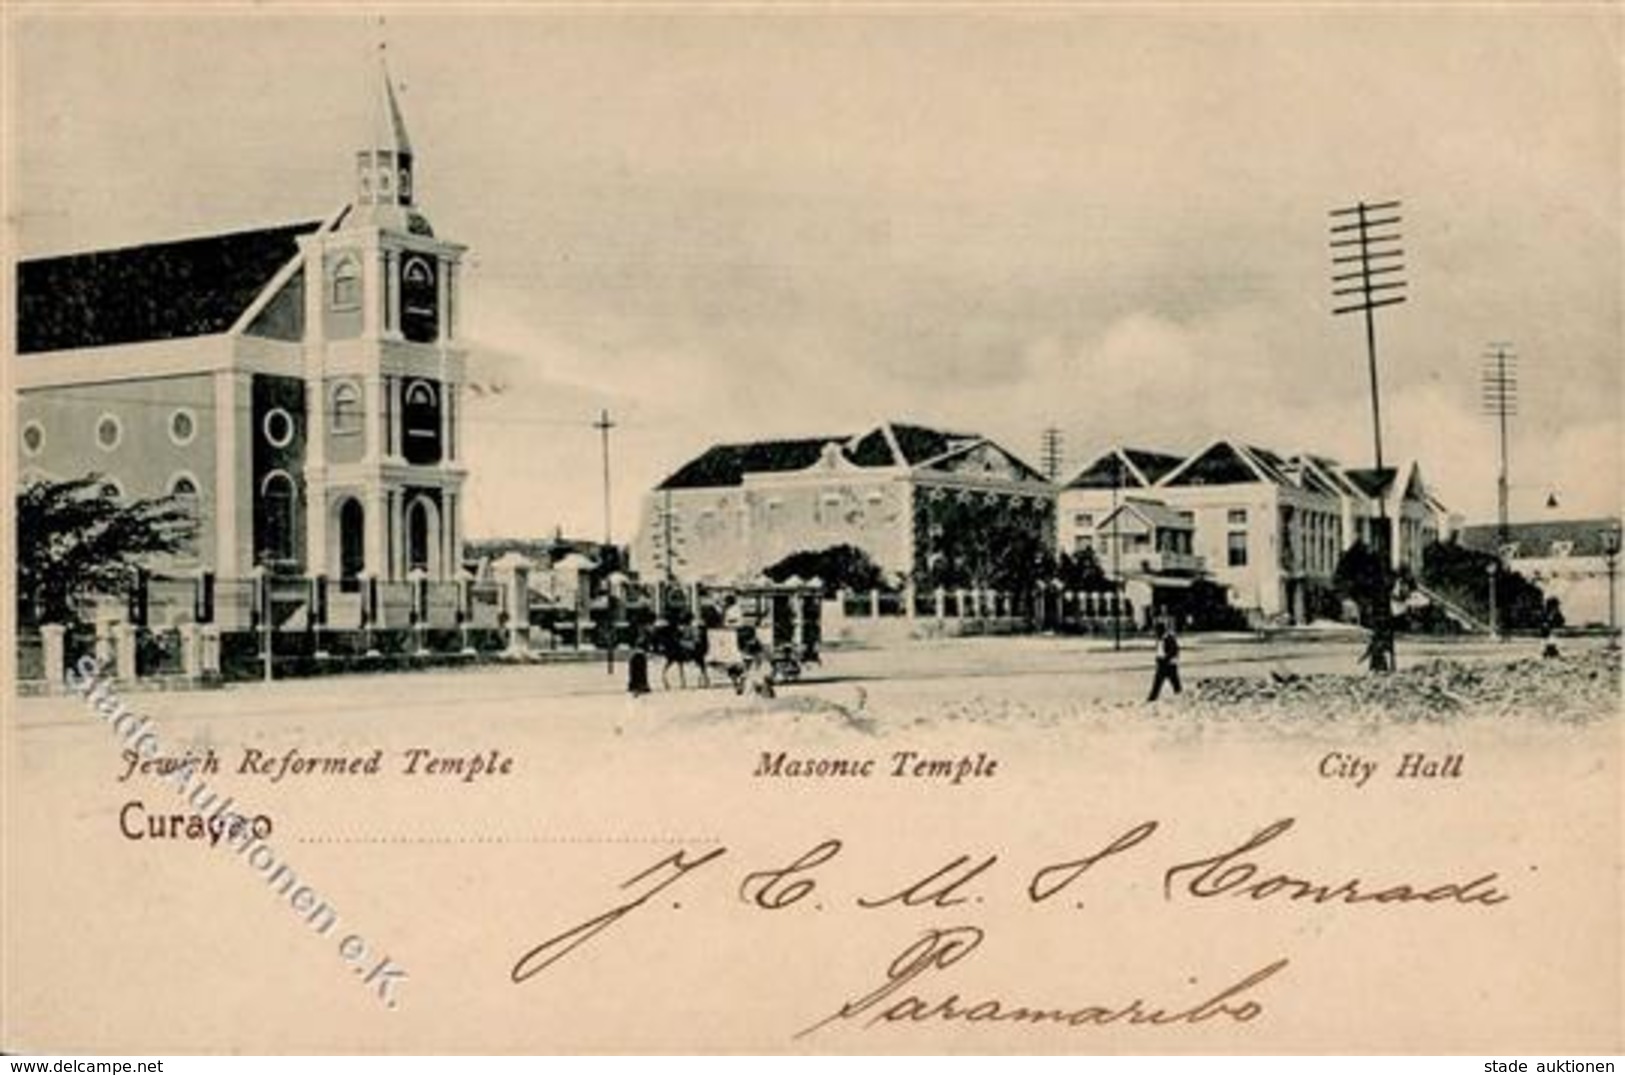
x,y
835,529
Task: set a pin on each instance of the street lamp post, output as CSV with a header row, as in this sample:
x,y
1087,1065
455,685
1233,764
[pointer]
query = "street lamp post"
x,y
1610,559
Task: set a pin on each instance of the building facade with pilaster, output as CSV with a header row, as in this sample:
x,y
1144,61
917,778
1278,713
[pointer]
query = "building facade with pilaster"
x,y
296,386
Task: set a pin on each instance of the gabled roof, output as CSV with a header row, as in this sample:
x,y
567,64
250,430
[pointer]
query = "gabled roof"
x,y
890,444
920,443
727,464
1154,465
1371,481
1584,537
1136,466
1154,512
157,291
1227,463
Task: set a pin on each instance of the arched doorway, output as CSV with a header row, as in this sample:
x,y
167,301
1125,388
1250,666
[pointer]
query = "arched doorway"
x,y
423,536
277,522
352,540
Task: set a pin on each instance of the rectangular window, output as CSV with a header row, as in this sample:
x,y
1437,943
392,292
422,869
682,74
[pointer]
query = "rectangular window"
x,y
1238,517
1237,549
1083,520
1082,542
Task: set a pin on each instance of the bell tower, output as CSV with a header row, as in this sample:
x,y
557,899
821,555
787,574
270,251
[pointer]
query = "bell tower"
x,y
384,369
384,186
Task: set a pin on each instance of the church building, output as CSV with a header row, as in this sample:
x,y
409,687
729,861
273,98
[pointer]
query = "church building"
x,y
297,385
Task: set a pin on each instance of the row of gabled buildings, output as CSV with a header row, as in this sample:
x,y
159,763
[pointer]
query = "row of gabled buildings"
x,y
1267,527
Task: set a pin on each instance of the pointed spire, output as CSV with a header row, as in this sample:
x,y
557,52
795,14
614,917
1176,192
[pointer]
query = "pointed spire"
x,y
384,178
389,129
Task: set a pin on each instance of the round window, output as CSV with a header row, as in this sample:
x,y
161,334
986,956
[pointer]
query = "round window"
x,y
278,427
182,427
108,432
33,438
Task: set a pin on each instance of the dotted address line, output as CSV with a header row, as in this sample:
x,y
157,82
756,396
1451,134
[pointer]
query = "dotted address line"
x,y
477,839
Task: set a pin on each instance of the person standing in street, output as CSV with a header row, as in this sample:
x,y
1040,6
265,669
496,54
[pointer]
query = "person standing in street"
x,y
1167,662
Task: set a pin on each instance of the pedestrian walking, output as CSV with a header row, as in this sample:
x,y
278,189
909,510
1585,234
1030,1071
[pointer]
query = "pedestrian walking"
x,y
637,666
1167,662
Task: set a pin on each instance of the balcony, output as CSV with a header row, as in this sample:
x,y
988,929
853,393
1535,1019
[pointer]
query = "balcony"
x,y
1163,563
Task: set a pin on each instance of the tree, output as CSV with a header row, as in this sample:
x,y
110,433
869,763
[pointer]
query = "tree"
x,y
76,540
1081,571
838,567
1462,575
1363,576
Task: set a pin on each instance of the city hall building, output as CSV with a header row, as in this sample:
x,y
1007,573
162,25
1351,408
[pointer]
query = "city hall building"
x,y
297,386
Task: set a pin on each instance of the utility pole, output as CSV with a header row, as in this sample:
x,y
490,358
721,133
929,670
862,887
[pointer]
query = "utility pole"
x,y
1117,553
1367,270
604,425
1500,399
1052,453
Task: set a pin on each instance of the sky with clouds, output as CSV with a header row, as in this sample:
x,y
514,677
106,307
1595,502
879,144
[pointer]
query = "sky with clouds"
x,y
723,224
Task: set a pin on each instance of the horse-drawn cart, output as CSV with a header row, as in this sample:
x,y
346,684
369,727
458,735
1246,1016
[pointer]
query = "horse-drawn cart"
x,y
758,635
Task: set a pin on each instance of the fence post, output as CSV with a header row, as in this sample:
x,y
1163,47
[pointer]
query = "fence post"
x,y
203,603
124,636
874,604
516,605
941,596
369,611
191,652
465,612
209,652
909,596
53,648
263,610
318,612
419,579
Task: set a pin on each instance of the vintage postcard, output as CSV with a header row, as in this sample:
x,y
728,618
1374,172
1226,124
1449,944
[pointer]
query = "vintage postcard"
x,y
812,529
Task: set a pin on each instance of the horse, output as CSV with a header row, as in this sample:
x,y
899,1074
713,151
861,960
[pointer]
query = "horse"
x,y
681,646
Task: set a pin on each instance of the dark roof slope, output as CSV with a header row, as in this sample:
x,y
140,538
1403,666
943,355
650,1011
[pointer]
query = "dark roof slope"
x,y
159,291
727,464
1371,481
1102,473
1154,465
1586,536
1221,464
920,443
873,450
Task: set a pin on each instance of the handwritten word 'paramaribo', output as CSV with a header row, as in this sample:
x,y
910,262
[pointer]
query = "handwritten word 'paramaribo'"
x,y
939,949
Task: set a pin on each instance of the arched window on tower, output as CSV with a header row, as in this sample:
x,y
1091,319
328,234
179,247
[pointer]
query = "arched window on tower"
x,y
420,415
346,284
346,408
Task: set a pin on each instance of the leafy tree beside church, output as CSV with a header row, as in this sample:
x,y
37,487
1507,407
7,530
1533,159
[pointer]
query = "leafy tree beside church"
x,y
76,540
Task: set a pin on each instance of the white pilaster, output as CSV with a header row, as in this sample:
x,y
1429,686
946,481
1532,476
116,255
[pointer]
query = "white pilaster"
x,y
392,289
377,521
373,283
229,445
442,280
397,415
375,391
